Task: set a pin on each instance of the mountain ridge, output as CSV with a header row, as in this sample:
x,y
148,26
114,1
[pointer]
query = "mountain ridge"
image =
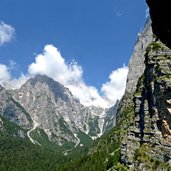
x,y
48,108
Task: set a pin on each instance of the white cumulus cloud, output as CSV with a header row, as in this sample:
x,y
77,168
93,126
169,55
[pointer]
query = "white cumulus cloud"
x,y
115,87
6,33
6,78
4,74
16,83
51,63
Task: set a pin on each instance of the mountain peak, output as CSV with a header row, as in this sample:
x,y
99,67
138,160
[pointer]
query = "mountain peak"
x,y
42,79
59,91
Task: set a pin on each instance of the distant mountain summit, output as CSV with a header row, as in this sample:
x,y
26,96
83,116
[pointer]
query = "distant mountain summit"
x,y
51,114
56,88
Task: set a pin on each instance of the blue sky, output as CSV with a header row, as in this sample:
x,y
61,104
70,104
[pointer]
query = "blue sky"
x,y
99,35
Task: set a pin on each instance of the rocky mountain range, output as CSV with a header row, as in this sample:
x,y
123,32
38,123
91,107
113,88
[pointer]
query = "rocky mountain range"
x,y
45,108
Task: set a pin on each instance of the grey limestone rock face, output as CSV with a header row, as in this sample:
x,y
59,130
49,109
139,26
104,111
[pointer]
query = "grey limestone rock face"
x,y
110,118
52,108
136,67
148,137
150,133
136,63
12,110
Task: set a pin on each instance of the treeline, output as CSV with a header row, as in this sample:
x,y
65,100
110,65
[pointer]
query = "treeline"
x,y
17,154
20,155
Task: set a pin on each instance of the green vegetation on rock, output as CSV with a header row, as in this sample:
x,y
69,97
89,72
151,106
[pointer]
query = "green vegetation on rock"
x,y
142,156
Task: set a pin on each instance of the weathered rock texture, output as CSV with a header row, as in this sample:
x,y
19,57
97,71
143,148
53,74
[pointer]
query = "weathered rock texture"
x,y
136,63
12,110
136,66
110,117
160,13
147,144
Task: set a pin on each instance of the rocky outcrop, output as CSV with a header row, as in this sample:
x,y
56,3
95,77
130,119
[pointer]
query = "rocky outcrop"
x,y
110,117
147,144
136,64
12,110
136,67
160,13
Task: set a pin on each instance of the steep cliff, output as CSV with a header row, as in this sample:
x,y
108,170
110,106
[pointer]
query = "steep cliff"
x,y
136,63
147,143
136,67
